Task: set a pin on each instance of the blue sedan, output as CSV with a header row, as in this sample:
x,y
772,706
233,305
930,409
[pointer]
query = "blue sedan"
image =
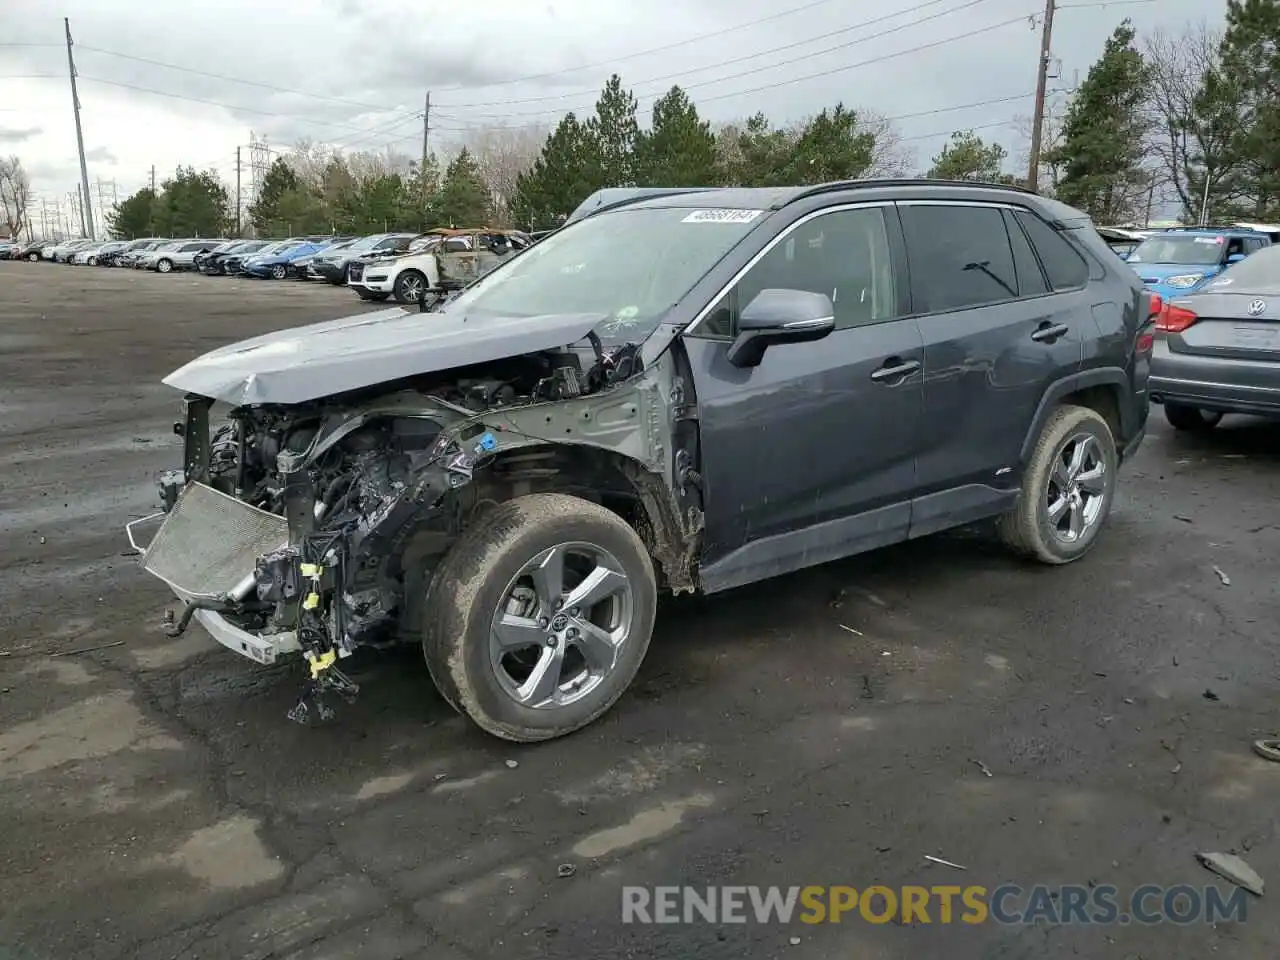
x,y
279,263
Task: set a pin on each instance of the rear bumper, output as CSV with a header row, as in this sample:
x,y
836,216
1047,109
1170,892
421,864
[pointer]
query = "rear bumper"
x,y
1212,383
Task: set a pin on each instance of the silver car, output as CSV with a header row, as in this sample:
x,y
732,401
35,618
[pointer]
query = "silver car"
x,y
1217,351
177,255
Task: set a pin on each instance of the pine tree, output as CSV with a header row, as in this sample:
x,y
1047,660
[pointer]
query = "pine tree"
x,y
832,146
1102,151
968,157
568,171
1250,74
679,150
280,179
463,200
616,129
755,154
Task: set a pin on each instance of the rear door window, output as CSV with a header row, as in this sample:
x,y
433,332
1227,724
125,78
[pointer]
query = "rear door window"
x,y
1066,269
960,257
1031,282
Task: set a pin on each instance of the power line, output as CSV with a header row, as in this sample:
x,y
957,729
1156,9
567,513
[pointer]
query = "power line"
x,y
222,76
753,56
225,106
715,34
819,74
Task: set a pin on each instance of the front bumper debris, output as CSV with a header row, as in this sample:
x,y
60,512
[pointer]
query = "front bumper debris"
x,y
205,551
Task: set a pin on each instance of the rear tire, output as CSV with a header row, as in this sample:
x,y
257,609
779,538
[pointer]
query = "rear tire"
x,y
483,575
1058,491
1191,419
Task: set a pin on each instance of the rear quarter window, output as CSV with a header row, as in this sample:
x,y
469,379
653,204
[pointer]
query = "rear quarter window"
x,y
1064,267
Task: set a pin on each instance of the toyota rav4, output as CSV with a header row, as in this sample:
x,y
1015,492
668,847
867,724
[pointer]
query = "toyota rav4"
x,y
683,392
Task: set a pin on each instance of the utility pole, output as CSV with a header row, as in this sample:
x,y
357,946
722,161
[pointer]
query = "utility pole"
x,y
153,178
422,170
44,219
237,191
86,214
1042,74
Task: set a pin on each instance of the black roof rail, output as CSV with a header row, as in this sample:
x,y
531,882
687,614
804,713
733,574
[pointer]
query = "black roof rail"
x,y
1210,227
635,195
834,185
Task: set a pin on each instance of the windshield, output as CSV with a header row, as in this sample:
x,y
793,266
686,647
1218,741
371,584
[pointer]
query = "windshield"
x,y
171,245
365,243
1256,272
630,266
1189,250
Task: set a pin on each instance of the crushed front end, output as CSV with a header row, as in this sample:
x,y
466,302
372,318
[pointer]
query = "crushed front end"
x,y
309,528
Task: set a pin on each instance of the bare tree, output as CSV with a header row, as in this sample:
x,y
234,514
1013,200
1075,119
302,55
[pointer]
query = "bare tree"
x,y
890,157
15,196
503,153
1190,150
1050,141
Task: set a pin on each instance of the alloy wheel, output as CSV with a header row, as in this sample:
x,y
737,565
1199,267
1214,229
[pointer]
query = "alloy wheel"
x,y
560,625
1077,488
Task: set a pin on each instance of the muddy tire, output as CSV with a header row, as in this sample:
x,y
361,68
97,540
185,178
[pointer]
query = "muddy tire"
x,y
1191,419
491,613
1067,490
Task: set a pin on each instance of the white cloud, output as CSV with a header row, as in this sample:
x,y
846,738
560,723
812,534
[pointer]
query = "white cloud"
x,y
359,70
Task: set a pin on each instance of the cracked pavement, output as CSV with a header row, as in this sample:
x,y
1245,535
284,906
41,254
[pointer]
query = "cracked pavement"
x,y
826,728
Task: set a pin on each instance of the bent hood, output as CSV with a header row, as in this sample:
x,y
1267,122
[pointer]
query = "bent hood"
x,y
322,359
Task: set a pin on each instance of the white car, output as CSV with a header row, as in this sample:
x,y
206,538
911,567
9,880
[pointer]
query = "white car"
x,y
176,255
417,273
89,255
62,252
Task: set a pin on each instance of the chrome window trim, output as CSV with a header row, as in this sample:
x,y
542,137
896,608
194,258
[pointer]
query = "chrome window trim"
x,y
761,254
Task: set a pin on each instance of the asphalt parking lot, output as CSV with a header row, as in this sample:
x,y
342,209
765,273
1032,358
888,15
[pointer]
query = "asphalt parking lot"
x,y
1081,725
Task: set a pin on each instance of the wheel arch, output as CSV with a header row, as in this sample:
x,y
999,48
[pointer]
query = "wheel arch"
x,y
614,480
1102,390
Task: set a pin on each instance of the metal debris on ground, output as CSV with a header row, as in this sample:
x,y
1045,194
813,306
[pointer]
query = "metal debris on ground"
x,y
101,646
945,863
1226,581
856,633
1210,695
1178,516
982,766
1231,867
512,764
794,941
566,870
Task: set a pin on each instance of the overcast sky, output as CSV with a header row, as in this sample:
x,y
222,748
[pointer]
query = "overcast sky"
x,y
354,72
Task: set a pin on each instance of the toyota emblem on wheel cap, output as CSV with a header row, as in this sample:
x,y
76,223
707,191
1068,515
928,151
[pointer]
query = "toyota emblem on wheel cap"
x,y
1257,307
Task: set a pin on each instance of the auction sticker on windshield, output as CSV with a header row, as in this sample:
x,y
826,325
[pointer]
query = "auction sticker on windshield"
x,y
722,216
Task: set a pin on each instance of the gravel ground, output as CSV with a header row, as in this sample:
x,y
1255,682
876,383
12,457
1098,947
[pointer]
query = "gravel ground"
x,y
157,804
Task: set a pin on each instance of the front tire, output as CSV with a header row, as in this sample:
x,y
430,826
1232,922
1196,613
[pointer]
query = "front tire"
x,y
539,617
33,257
279,271
1067,490
164,266
1191,419
409,286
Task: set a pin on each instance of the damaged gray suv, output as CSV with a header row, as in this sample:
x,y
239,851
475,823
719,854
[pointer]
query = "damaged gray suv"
x,y
683,392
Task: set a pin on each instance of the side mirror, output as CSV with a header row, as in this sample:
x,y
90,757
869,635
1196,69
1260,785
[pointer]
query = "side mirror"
x,y
780,316
1235,258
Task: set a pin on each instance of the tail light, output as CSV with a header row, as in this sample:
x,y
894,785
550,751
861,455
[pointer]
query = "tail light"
x,y
1175,319
1146,339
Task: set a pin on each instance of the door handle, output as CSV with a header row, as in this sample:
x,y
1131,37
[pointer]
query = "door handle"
x,y
894,368
1049,332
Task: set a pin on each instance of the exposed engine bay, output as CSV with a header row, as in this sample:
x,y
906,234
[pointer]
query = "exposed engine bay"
x,y
373,484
